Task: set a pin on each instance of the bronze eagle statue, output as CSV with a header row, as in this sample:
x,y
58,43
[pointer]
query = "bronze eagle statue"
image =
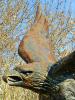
x,y
41,67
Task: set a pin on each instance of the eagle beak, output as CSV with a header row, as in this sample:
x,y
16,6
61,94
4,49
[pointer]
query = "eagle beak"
x,y
17,79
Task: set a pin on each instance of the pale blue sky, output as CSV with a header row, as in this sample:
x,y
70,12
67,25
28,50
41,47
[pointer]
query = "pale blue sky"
x,y
73,8
55,3
66,2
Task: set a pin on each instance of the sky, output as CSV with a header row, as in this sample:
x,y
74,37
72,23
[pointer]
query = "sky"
x,y
67,4
73,8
